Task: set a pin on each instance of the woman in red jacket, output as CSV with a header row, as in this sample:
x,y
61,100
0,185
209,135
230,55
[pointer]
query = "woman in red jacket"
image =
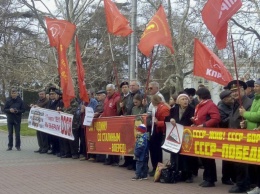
x,y
207,115
159,112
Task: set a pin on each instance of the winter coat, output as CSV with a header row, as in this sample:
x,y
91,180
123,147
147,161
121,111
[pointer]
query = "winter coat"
x,y
253,116
138,110
17,104
141,147
206,113
124,100
224,111
110,105
130,103
235,118
162,112
186,117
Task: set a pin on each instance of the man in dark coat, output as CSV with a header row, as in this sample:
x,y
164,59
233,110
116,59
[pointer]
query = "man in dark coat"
x,y
242,178
14,107
42,137
225,109
52,105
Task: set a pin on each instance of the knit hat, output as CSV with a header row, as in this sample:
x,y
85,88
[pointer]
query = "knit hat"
x,y
182,95
141,128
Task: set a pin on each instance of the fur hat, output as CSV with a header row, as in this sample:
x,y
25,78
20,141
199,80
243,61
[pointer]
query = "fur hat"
x,y
141,128
123,84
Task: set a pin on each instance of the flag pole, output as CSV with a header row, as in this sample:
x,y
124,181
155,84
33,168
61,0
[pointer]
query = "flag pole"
x,y
235,63
113,60
148,75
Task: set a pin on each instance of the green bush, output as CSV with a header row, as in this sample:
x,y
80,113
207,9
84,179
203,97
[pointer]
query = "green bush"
x,y
25,131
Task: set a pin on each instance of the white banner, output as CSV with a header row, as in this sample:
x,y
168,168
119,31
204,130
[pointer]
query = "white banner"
x,y
173,138
89,115
51,122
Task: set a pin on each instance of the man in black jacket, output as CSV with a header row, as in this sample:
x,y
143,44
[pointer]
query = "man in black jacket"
x,y
225,109
14,107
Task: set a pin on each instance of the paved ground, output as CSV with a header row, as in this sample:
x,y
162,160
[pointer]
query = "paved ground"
x,y
28,172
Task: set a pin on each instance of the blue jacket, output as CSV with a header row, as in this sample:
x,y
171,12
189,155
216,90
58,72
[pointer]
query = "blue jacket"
x,y
141,147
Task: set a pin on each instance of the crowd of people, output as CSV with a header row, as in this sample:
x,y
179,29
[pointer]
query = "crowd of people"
x,y
238,108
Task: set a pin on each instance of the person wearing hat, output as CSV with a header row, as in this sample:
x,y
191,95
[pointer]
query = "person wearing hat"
x,y
241,169
14,108
100,96
252,122
121,106
225,109
250,89
182,113
141,153
52,105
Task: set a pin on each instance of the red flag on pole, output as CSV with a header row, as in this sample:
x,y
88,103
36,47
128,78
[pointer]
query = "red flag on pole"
x,y
65,77
83,93
117,24
59,29
216,14
208,65
157,32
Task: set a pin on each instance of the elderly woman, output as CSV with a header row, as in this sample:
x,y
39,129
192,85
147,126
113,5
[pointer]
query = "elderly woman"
x,y
207,115
182,113
159,112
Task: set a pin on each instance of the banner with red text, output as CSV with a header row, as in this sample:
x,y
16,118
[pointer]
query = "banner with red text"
x,y
51,122
227,144
113,135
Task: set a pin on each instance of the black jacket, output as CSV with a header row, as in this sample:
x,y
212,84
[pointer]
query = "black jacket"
x,y
224,111
186,117
17,104
235,118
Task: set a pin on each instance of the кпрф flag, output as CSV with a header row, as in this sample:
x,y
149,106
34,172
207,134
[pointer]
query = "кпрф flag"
x,y
157,31
216,14
208,65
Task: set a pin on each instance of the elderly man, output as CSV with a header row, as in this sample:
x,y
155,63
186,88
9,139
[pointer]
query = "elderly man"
x,y
110,109
242,178
14,107
252,122
225,109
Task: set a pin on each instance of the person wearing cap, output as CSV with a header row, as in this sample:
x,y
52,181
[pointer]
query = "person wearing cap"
x,y
225,109
252,122
42,137
141,153
52,105
207,115
14,108
241,169
121,106
250,89
100,96
182,113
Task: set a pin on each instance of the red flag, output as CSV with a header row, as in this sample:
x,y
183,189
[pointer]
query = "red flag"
x,y
83,93
208,65
117,24
65,77
157,32
59,28
216,14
